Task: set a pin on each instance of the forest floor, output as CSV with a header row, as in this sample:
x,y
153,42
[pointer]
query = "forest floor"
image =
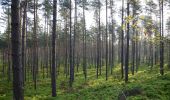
x,y
144,85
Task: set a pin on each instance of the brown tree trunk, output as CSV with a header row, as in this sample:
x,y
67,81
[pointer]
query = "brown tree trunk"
x,y
53,72
23,38
16,51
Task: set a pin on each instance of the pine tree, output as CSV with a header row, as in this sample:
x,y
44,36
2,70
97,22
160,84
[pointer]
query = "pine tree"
x,y
16,51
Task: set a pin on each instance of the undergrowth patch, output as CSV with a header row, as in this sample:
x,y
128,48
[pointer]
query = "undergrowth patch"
x,y
153,86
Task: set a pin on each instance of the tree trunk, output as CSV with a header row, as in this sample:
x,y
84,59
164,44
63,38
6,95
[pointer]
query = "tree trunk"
x,y
75,34
127,47
71,52
9,48
113,38
35,50
98,42
133,45
161,40
53,72
122,41
84,43
23,38
16,52
106,45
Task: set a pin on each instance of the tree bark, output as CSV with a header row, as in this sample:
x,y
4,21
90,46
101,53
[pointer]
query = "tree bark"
x,y
23,38
84,43
161,39
127,47
106,44
53,72
122,41
71,52
16,51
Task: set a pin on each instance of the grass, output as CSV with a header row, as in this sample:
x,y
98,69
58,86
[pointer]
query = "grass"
x,y
153,86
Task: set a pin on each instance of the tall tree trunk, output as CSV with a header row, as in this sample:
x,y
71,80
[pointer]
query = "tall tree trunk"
x,y
45,57
98,42
9,47
71,52
23,38
66,50
122,41
137,52
53,73
84,43
133,44
47,49
16,51
113,37
75,34
127,47
106,45
26,50
35,50
161,40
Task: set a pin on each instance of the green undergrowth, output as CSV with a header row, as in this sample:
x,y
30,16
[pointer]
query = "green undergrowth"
x,y
153,86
